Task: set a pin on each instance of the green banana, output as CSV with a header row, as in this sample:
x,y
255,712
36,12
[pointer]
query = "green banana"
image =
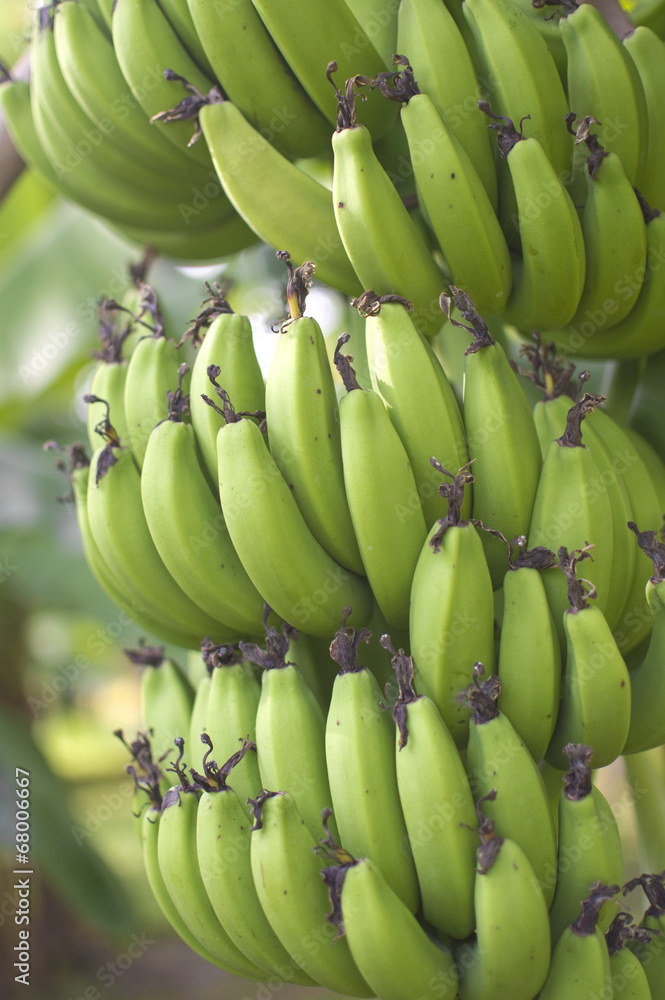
x,y
523,81
360,758
568,509
580,961
215,244
497,759
223,844
549,280
179,868
430,39
228,344
595,692
501,436
198,723
304,425
392,950
121,532
451,623
589,847
179,16
510,956
287,878
628,977
313,34
290,729
652,954
647,727
255,76
418,396
452,196
187,527
529,662
285,206
166,698
437,803
381,240
603,81
282,558
382,494
232,706
646,49
107,384
379,22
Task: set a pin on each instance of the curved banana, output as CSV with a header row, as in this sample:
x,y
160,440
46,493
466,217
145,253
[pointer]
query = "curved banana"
x,y
287,878
179,868
153,373
510,956
179,16
418,396
498,759
145,46
166,698
453,197
284,206
595,693
451,622
641,332
360,757
304,425
16,104
529,662
501,435
646,49
615,242
132,603
290,729
437,803
430,39
314,33
223,845
215,244
580,960
523,81
382,494
589,848
256,77
232,706
228,344
187,527
90,68
286,564
120,530
568,510
603,81
647,685
549,280
392,950
381,240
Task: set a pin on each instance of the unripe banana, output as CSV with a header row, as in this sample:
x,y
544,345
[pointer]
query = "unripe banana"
x,y
580,960
646,49
498,759
198,723
451,623
287,878
382,494
391,949
652,954
166,698
510,956
438,806
360,758
108,384
589,844
628,976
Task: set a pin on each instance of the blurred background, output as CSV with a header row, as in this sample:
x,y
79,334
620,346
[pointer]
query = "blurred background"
x,y
65,683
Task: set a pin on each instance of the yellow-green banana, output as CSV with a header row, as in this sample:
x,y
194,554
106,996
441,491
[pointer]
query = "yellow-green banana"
x,y
382,494
107,385
646,49
360,758
179,16
501,436
437,803
595,689
628,976
509,958
580,960
304,425
451,621
284,561
287,878
497,758
166,698
589,848
153,371
198,723
430,39
652,953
